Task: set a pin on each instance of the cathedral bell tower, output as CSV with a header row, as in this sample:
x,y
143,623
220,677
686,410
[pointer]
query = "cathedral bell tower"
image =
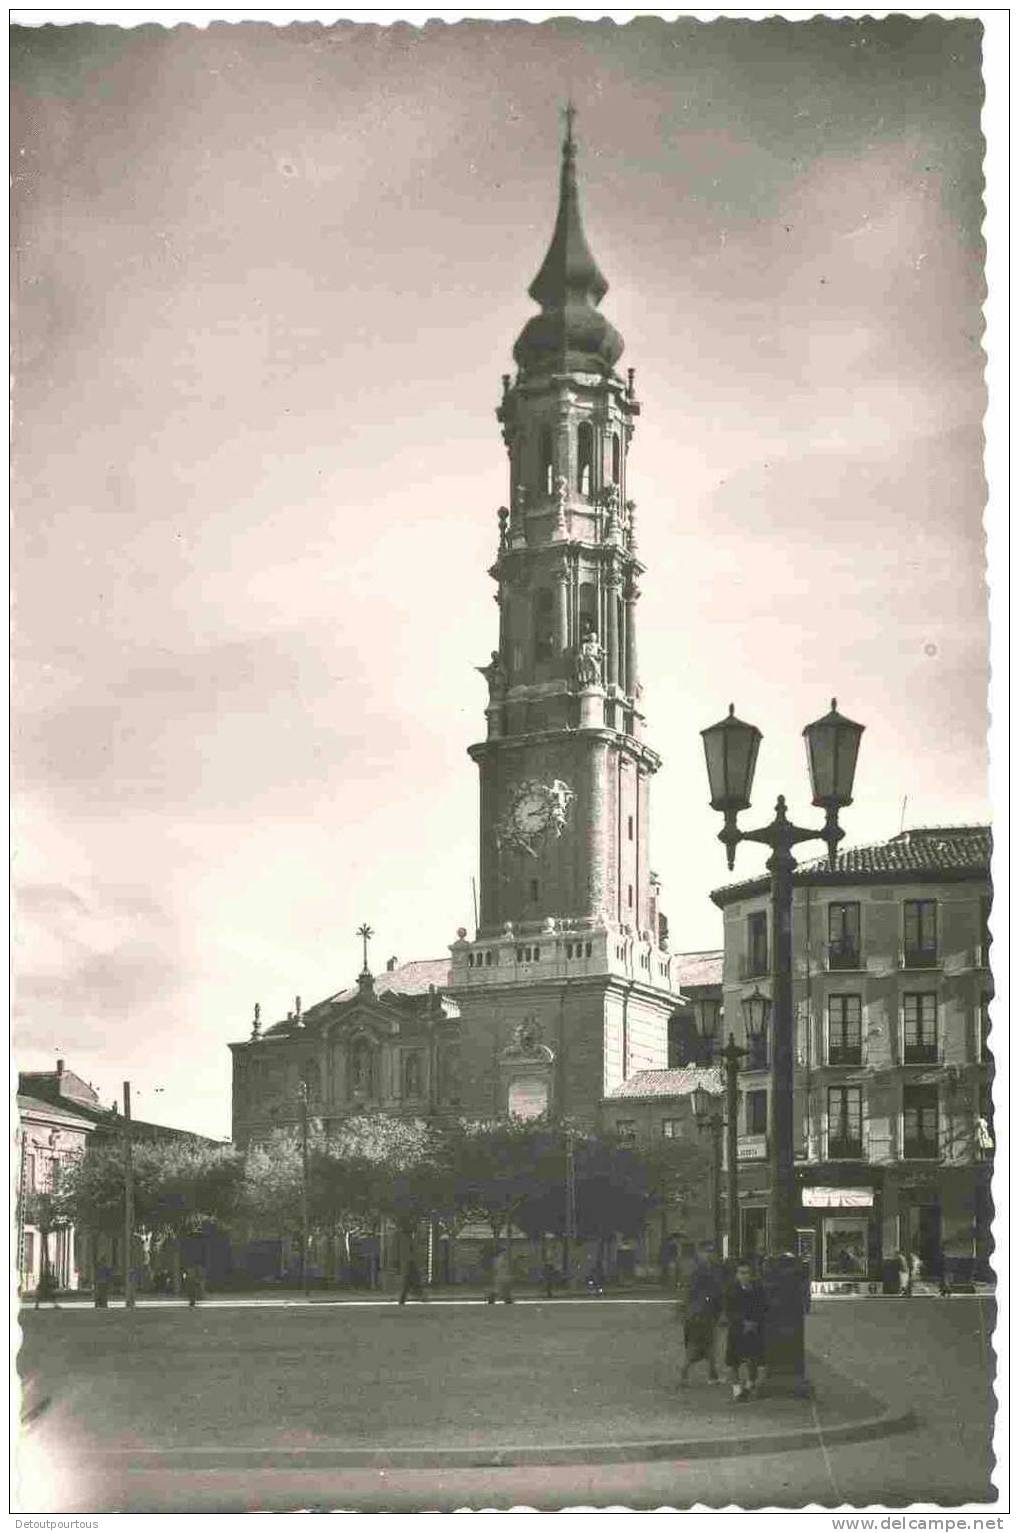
x,y
570,950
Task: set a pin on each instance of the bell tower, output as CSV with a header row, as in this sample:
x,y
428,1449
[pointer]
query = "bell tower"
x,y
570,945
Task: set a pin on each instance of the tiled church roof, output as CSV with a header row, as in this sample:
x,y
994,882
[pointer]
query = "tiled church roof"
x,y
644,1085
416,977
931,851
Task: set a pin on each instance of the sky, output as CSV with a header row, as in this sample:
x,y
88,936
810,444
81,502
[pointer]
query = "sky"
x,y
266,281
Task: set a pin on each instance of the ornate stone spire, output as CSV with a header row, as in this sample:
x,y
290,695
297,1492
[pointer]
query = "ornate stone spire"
x,y
569,334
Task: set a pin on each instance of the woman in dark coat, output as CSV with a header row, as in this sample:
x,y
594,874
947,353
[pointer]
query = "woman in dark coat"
x,y
745,1308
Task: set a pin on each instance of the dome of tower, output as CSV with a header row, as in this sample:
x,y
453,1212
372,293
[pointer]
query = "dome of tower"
x,y
569,334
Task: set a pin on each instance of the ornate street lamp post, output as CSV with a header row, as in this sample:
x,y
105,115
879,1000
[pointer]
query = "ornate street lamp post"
x,y
730,749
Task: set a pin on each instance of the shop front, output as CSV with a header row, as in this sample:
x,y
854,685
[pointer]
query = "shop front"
x,y
839,1229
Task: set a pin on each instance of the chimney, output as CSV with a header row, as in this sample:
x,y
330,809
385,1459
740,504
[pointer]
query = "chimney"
x,y
60,1068
390,964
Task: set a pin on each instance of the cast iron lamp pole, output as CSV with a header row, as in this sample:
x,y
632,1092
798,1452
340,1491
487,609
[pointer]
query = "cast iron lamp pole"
x,y
730,749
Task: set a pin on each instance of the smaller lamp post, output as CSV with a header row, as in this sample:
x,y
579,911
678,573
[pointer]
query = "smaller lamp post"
x,y
709,1114
707,1111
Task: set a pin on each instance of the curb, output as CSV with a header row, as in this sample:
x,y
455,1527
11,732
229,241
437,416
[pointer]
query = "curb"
x,y
503,1458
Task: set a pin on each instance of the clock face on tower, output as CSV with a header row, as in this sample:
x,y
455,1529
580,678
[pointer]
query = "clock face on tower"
x,y
535,810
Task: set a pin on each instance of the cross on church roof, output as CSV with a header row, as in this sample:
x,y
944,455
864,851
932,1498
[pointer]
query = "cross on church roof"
x,y
365,933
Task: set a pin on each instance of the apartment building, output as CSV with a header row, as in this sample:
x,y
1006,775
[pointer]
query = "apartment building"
x,y
893,1112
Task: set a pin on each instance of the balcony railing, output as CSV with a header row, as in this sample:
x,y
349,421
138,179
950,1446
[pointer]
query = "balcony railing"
x,y
920,958
845,1054
843,955
919,1148
920,1054
754,966
841,1148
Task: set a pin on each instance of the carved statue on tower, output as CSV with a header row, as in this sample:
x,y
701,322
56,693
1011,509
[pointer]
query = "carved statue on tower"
x,y
589,664
495,674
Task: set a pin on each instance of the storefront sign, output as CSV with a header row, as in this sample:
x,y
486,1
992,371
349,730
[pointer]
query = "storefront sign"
x,y
836,1287
838,1197
752,1150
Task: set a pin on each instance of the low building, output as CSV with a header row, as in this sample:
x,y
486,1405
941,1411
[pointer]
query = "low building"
x,y
892,1097
47,1138
656,1106
59,1116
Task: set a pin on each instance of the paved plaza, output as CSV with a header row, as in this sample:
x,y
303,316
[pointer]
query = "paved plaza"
x,y
234,1407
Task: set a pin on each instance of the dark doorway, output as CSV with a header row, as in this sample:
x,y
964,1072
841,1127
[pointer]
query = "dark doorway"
x,y
753,1232
928,1240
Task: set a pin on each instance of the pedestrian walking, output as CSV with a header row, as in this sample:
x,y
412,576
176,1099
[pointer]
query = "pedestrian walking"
x,y
596,1279
411,1280
701,1306
102,1287
745,1308
550,1277
905,1285
502,1279
194,1285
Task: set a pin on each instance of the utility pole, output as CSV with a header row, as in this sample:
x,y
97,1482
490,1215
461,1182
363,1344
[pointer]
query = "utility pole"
x,y
128,1200
303,1097
571,1206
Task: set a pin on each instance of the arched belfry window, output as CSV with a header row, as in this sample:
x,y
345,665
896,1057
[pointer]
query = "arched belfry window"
x,y
361,1068
616,458
547,460
588,608
585,458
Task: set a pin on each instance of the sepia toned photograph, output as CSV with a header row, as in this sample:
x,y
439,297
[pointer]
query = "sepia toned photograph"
x,y
507,988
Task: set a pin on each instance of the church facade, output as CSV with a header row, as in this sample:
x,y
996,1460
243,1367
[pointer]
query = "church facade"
x,y
567,985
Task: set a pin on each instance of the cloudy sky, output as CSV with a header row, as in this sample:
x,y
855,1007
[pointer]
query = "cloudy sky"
x,y
266,281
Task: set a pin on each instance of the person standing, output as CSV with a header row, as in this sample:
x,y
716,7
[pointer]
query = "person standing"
x,y
915,1270
502,1279
905,1283
745,1308
411,1280
702,1310
193,1285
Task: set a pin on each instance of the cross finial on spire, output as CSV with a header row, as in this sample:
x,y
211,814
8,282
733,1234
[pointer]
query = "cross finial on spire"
x,y
569,113
365,933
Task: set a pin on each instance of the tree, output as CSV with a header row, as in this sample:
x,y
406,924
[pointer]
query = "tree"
x,y
46,1211
92,1193
269,1196
181,1185
501,1166
375,1167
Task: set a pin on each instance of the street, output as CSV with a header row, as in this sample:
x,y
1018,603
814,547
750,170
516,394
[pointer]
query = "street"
x,y
215,1409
